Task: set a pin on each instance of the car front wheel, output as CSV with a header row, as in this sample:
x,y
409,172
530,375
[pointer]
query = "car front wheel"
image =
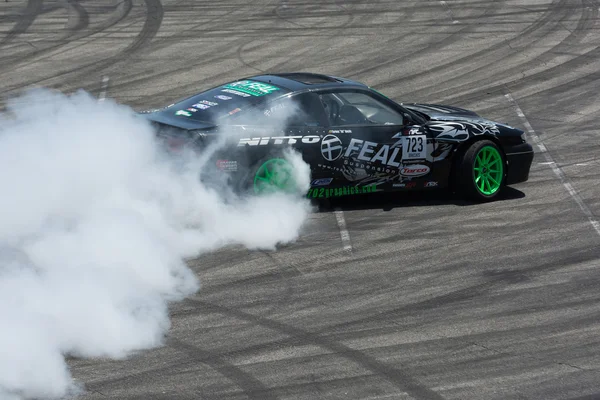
x,y
481,171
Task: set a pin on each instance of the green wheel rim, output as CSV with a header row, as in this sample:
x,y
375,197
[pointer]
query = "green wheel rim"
x,y
488,170
274,175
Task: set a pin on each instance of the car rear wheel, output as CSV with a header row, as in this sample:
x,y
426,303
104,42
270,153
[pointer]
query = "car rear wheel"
x,y
481,171
274,175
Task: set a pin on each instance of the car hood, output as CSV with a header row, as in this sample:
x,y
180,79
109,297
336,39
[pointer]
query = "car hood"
x,y
441,112
438,112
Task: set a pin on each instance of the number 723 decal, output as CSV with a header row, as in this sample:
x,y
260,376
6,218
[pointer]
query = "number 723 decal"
x,y
414,147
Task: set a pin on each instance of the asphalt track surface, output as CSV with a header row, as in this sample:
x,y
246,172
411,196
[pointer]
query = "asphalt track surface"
x,y
424,296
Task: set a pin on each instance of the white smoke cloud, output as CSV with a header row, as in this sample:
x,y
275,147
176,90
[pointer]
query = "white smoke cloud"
x,y
96,223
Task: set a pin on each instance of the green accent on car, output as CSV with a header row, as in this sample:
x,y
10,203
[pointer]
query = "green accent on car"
x,y
324,192
274,175
488,170
253,88
378,92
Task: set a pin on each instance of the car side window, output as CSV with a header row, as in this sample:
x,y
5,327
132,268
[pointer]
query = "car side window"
x,y
301,110
356,108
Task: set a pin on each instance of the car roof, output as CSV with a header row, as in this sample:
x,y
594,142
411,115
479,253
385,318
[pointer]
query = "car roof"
x,y
295,81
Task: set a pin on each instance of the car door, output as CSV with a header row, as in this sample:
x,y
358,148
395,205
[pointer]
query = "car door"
x,y
371,145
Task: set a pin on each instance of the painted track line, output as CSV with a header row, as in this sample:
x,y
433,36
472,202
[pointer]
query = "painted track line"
x,y
103,89
555,167
341,221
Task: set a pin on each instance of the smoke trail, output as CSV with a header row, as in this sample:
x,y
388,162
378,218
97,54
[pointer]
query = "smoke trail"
x,y
96,221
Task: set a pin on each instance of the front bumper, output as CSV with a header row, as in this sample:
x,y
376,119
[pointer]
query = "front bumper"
x,y
519,159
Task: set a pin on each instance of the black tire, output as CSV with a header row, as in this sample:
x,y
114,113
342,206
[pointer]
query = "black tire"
x,y
245,183
465,173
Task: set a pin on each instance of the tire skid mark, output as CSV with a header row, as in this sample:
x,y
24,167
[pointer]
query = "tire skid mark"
x,y
540,77
391,374
206,26
122,10
482,55
82,19
473,291
558,171
215,54
144,36
328,31
151,26
456,35
588,18
30,13
250,386
129,379
483,66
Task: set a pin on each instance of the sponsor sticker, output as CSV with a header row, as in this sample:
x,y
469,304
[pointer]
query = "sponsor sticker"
x,y
235,110
318,193
192,109
265,140
273,109
321,182
252,88
183,112
331,148
237,93
223,97
227,165
414,170
208,103
414,147
431,184
406,185
200,106
386,155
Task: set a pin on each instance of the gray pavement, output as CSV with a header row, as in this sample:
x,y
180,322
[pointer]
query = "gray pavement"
x,y
438,299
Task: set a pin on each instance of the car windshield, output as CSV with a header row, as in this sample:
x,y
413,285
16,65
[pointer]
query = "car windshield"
x,y
217,104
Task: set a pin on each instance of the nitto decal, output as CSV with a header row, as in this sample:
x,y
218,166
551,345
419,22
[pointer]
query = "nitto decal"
x,y
321,182
318,193
331,148
252,88
414,170
263,141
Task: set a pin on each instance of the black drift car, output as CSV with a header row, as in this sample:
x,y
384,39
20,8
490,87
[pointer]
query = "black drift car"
x,y
354,139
